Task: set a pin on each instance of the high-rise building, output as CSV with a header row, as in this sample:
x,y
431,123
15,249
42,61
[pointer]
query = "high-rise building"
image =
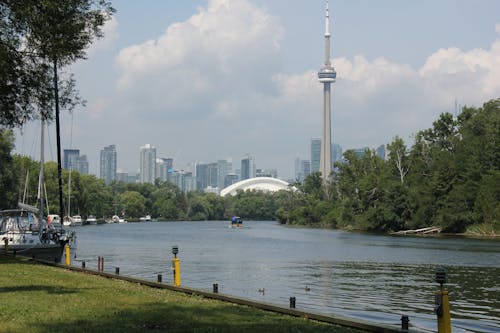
x,y
183,180
248,167
305,167
302,169
212,175
230,179
147,170
315,154
73,161
108,164
163,167
326,76
297,169
201,174
70,158
82,165
224,168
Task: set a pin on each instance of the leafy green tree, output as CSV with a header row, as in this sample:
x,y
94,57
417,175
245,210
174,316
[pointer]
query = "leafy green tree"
x,y
398,158
165,201
50,34
134,204
8,174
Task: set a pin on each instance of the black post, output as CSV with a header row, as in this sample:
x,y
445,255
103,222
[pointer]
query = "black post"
x,y
216,288
117,270
292,302
159,278
83,263
404,322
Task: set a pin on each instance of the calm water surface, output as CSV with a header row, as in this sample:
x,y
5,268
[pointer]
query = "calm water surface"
x,y
376,278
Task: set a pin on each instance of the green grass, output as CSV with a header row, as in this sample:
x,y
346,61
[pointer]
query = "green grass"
x,y
37,298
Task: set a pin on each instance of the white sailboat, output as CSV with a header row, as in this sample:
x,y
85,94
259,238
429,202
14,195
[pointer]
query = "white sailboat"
x,y
25,230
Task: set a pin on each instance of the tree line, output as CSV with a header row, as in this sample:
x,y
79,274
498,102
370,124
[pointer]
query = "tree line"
x,y
449,178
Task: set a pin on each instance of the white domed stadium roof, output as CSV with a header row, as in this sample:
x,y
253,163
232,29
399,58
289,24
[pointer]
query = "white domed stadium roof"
x,y
266,184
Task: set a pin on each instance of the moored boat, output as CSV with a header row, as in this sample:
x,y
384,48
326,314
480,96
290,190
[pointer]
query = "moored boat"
x,y
76,220
91,220
28,235
67,221
54,220
28,231
146,218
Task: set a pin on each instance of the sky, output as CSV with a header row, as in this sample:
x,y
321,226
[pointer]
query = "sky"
x,y
217,79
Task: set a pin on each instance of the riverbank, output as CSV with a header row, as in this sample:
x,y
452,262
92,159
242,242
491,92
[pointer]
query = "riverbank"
x,y
38,298
476,232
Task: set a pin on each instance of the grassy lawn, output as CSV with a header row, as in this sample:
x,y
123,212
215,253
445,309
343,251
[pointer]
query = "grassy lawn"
x,y
37,298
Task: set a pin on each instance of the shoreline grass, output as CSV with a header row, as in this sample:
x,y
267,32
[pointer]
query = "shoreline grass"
x,y
41,299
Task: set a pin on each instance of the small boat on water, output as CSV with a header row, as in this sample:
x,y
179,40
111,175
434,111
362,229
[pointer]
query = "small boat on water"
x,y
117,219
54,220
146,218
76,220
67,221
91,220
236,222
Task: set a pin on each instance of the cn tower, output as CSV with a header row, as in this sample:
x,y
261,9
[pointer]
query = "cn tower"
x,y
326,75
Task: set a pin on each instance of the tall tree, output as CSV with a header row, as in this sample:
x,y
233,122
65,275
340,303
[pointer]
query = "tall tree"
x,y
51,34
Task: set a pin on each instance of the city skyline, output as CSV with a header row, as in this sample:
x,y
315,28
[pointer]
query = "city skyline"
x,y
163,167
216,79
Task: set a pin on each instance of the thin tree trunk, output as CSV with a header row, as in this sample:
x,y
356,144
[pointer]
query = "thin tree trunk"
x,y
58,135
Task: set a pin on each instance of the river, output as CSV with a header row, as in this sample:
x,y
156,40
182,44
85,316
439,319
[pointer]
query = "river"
x,y
372,277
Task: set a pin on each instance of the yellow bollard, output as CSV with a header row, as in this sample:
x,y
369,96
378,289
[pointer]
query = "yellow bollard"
x,y
443,311
176,266
442,303
6,242
68,254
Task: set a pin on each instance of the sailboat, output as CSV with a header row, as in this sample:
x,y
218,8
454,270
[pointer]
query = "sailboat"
x,y
25,230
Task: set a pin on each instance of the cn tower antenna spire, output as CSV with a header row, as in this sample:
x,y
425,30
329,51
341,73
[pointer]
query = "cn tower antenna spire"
x,y
327,20
326,75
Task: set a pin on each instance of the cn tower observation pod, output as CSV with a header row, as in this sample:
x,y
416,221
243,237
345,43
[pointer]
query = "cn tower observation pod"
x,y
265,184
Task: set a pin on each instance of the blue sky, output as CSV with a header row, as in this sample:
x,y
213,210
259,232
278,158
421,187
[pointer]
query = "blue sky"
x,y
208,80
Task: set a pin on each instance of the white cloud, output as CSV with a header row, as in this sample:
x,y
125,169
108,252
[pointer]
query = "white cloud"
x,y
226,49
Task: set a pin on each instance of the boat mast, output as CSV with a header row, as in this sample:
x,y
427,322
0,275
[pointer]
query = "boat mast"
x,y
70,169
40,175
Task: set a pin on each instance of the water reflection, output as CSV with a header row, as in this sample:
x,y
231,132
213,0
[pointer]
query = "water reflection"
x,y
372,277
